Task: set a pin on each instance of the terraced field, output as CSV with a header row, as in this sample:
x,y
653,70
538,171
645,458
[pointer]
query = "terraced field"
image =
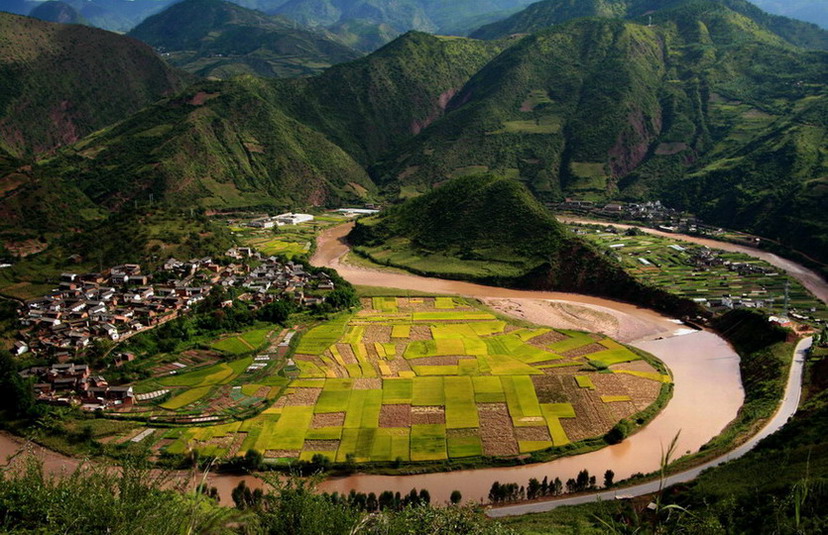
x,y
430,379
690,271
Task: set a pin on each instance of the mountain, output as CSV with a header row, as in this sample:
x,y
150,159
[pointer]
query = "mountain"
x,y
402,15
213,38
363,35
550,12
367,21
492,230
62,82
53,11
250,142
706,110
815,11
371,106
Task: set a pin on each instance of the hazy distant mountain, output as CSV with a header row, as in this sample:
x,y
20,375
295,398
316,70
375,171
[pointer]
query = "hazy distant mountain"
x,y
61,12
815,11
219,39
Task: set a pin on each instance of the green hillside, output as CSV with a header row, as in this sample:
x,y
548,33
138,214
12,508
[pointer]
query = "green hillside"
x,y
59,83
492,230
213,38
601,109
371,106
490,225
215,145
551,12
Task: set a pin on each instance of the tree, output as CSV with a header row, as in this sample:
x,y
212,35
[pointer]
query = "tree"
x,y
609,476
277,311
456,497
533,490
495,492
16,395
342,298
557,487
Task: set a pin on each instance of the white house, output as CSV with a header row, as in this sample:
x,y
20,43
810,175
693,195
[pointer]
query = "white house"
x,y
293,219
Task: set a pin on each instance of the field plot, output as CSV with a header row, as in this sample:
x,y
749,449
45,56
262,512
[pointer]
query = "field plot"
x,y
715,278
431,379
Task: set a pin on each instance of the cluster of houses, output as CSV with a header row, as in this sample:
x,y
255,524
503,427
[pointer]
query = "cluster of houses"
x,y
651,213
71,384
280,220
122,301
272,278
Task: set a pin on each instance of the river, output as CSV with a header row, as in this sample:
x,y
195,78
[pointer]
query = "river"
x,y
708,390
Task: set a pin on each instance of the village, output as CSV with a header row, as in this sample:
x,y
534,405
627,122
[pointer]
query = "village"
x,y
122,301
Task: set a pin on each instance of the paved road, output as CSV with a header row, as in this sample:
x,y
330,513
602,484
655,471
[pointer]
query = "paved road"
x,y
788,407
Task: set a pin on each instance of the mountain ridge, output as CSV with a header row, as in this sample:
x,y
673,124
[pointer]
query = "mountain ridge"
x,y
221,39
550,12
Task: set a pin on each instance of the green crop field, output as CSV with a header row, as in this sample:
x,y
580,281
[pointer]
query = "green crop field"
x,y
694,272
189,396
417,379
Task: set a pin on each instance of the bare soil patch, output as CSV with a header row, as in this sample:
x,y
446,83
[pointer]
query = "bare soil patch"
x,y
367,383
347,353
303,397
582,351
282,454
331,419
321,445
496,431
532,433
395,416
377,333
549,388
428,415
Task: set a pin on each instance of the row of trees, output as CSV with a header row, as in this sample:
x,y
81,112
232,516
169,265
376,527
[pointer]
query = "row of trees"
x,y
512,492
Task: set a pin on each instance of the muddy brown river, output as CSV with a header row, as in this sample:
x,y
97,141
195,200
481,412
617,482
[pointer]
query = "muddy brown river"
x,y
708,389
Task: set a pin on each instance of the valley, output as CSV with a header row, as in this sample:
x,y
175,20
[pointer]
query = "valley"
x,y
372,266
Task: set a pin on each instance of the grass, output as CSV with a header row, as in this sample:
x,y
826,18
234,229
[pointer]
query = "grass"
x,y
428,442
401,331
288,431
234,345
584,382
320,338
428,391
491,367
190,396
461,411
521,399
397,391
464,446
613,356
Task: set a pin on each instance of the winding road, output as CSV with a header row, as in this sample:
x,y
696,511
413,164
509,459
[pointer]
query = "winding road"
x,y
708,390
707,396
788,407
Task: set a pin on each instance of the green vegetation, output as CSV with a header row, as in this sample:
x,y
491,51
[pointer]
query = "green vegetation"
x,y
105,76
680,266
137,500
405,378
213,38
551,12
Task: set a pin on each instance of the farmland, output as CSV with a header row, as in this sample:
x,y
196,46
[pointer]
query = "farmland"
x,y
718,279
424,380
232,377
